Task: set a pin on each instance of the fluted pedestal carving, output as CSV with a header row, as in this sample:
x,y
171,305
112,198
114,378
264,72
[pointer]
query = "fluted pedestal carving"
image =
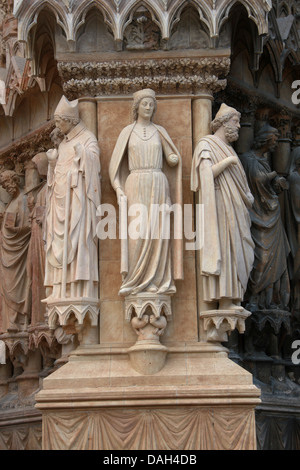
x,y
205,399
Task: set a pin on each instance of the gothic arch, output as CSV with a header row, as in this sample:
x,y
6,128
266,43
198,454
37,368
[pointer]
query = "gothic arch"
x,y
203,12
94,18
215,18
275,60
30,18
85,7
116,14
257,14
284,9
178,16
130,9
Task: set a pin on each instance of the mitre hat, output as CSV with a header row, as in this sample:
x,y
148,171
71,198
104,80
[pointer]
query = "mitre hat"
x,y
67,109
225,110
145,93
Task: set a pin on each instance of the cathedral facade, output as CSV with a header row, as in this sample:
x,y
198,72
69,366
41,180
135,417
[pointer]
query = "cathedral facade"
x,y
194,55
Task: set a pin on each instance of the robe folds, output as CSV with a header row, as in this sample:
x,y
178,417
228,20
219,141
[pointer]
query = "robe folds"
x,y
228,250
36,257
15,285
84,165
293,221
137,167
271,244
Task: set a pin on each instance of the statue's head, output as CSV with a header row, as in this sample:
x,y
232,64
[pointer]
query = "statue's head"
x,y
144,101
10,181
229,119
267,138
66,115
41,162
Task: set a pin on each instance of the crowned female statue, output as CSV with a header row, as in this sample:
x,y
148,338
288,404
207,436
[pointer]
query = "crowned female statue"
x,y
145,169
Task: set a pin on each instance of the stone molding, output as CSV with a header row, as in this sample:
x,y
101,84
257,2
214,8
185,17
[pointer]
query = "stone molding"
x,y
176,75
27,147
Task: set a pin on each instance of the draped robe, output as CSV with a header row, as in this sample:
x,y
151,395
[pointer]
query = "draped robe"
x,y
228,251
82,254
271,244
36,258
15,284
153,265
293,221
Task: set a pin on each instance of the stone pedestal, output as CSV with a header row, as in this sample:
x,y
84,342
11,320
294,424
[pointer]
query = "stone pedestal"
x,y
199,400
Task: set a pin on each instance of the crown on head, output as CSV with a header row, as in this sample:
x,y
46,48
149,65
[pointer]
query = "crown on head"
x,y
145,93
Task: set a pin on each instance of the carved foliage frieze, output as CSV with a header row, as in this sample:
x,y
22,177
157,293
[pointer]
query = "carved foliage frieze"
x,y
178,75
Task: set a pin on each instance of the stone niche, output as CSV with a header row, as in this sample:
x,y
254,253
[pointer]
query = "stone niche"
x,y
94,34
175,115
188,33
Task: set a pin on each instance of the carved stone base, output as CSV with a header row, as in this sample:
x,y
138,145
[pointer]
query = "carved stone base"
x,y
218,324
148,357
199,400
139,303
148,313
59,311
17,343
41,334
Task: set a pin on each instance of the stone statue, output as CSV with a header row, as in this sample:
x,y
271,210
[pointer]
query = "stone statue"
x,y
145,165
228,250
293,223
15,237
73,197
36,252
268,286
136,172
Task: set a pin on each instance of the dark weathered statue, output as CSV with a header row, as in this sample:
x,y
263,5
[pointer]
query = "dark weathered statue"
x,y
293,224
268,286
